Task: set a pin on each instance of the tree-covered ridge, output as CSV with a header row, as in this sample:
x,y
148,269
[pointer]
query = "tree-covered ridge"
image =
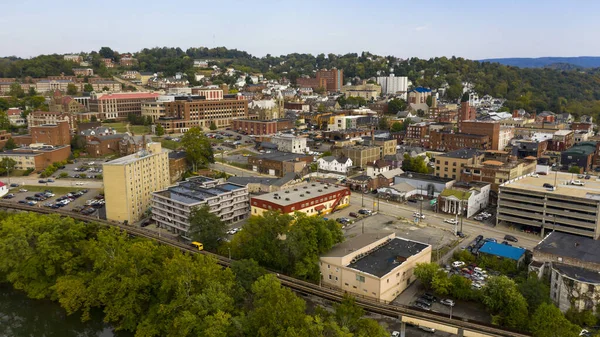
x,y
155,290
533,89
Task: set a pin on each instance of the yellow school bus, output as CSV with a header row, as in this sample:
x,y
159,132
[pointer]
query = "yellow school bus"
x,y
198,245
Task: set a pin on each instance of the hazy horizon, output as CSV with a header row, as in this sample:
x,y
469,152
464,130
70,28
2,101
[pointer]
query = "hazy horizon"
x,y
469,29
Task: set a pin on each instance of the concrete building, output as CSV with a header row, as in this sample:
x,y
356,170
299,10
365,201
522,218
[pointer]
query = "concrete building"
x,y
342,122
154,110
450,141
429,186
310,199
393,85
332,164
377,266
364,90
266,185
280,163
130,181
290,143
260,128
451,164
419,95
37,118
580,155
360,154
572,263
37,157
526,202
497,170
171,207
464,198
118,106
187,112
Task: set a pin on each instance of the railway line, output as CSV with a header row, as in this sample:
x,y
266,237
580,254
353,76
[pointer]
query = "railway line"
x,y
457,325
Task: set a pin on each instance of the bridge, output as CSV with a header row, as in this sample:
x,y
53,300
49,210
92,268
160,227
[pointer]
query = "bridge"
x,y
460,326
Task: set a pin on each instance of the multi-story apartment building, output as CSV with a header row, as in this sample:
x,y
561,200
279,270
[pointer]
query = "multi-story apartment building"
x,y
290,143
359,154
451,164
342,122
37,118
50,85
130,181
154,110
106,85
171,207
332,80
393,85
550,202
118,106
209,94
499,135
450,141
15,116
187,112
377,266
310,199
417,134
51,134
261,128
37,158
497,172
364,90
83,71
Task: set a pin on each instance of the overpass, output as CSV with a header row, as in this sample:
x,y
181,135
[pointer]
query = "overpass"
x,y
456,325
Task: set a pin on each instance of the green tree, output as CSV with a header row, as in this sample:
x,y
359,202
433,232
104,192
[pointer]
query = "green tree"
x,y
441,283
397,104
508,307
106,53
383,124
429,101
581,318
206,227
71,89
276,311
461,288
548,321
535,292
425,273
4,121
16,91
7,164
575,169
63,175
31,92
348,315
10,144
159,130
213,126
396,127
247,272
326,154
94,119
105,88
198,150
78,142
88,87
249,80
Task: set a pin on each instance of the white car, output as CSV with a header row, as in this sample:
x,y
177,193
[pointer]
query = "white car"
x,y
395,334
419,215
477,270
535,175
476,286
426,328
577,183
22,190
457,264
451,221
448,302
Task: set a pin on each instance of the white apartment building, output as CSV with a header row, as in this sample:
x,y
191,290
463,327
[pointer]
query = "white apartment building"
x,y
171,207
290,143
333,164
505,135
337,123
392,84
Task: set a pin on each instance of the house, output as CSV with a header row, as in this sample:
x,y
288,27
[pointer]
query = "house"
x,y
377,167
332,164
467,199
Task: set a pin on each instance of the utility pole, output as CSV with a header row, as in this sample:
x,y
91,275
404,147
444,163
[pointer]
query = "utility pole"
x,y
7,173
461,211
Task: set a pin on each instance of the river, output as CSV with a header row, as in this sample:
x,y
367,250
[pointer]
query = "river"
x,y
21,316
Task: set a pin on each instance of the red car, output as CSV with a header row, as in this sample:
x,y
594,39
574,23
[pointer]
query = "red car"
x,y
354,215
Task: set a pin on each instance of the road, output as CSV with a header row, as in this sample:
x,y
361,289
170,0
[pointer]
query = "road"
x,y
471,228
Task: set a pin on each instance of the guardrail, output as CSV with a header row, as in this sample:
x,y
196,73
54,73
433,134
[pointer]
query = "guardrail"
x,y
374,306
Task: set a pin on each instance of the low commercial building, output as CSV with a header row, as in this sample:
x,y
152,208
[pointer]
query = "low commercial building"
x,y
261,128
290,143
429,186
310,199
451,164
463,198
264,184
531,203
280,163
580,155
572,263
359,154
516,254
37,158
378,266
130,181
171,207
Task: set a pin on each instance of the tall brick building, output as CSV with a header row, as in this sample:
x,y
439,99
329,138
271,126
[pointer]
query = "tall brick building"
x,y
51,134
499,135
332,80
187,112
450,141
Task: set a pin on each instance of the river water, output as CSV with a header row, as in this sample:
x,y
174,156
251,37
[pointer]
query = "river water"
x,y
21,316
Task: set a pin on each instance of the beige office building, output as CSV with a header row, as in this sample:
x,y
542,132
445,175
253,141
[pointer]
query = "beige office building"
x,y
130,181
375,265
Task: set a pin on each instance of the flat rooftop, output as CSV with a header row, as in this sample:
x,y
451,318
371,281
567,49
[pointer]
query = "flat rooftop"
x,y
571,246
192,192
390,256
132,158
591,190
280,156
300,193
578,273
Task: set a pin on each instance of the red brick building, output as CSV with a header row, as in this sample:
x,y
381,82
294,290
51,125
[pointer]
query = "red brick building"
x,y
37,158
311,199
183,114
259,128
466,113
449,141
51,134
118,106
332,80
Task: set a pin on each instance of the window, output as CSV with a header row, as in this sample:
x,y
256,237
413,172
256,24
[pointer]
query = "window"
x,y
360,278
328,266
330,277
454,164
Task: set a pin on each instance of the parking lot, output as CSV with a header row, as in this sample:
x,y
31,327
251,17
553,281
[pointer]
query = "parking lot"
x,y
87,202
83,169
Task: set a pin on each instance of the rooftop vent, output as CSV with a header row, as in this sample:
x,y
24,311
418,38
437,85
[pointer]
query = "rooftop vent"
x,y
287,199
301,195
287,191
320,190
307,192
295,189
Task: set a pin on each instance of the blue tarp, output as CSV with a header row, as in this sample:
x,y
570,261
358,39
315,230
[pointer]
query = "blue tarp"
x,y
501,250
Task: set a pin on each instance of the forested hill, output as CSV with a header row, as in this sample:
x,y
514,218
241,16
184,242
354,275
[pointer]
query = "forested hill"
x,y
533,89
540,62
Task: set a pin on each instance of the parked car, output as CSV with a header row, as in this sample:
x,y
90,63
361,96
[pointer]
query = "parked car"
x,y
577,183
422,306
447,302
418,215
478,238
14,185
457,264
354,215
426,328
8,196
548,186
511,238
429,297
451,221
395,334
50,180
461,234
423,301
365,211
42,181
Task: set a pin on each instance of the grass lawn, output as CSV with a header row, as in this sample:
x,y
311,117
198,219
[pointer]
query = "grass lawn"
x,y
121,127
41,188
167,144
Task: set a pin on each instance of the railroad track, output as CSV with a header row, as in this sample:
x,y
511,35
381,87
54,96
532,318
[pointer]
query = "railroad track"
x,y
398,311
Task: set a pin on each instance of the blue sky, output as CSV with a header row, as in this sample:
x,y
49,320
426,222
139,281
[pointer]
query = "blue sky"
x,y
471,29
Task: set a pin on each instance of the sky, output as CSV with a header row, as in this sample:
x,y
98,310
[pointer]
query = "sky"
x,y
470,29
